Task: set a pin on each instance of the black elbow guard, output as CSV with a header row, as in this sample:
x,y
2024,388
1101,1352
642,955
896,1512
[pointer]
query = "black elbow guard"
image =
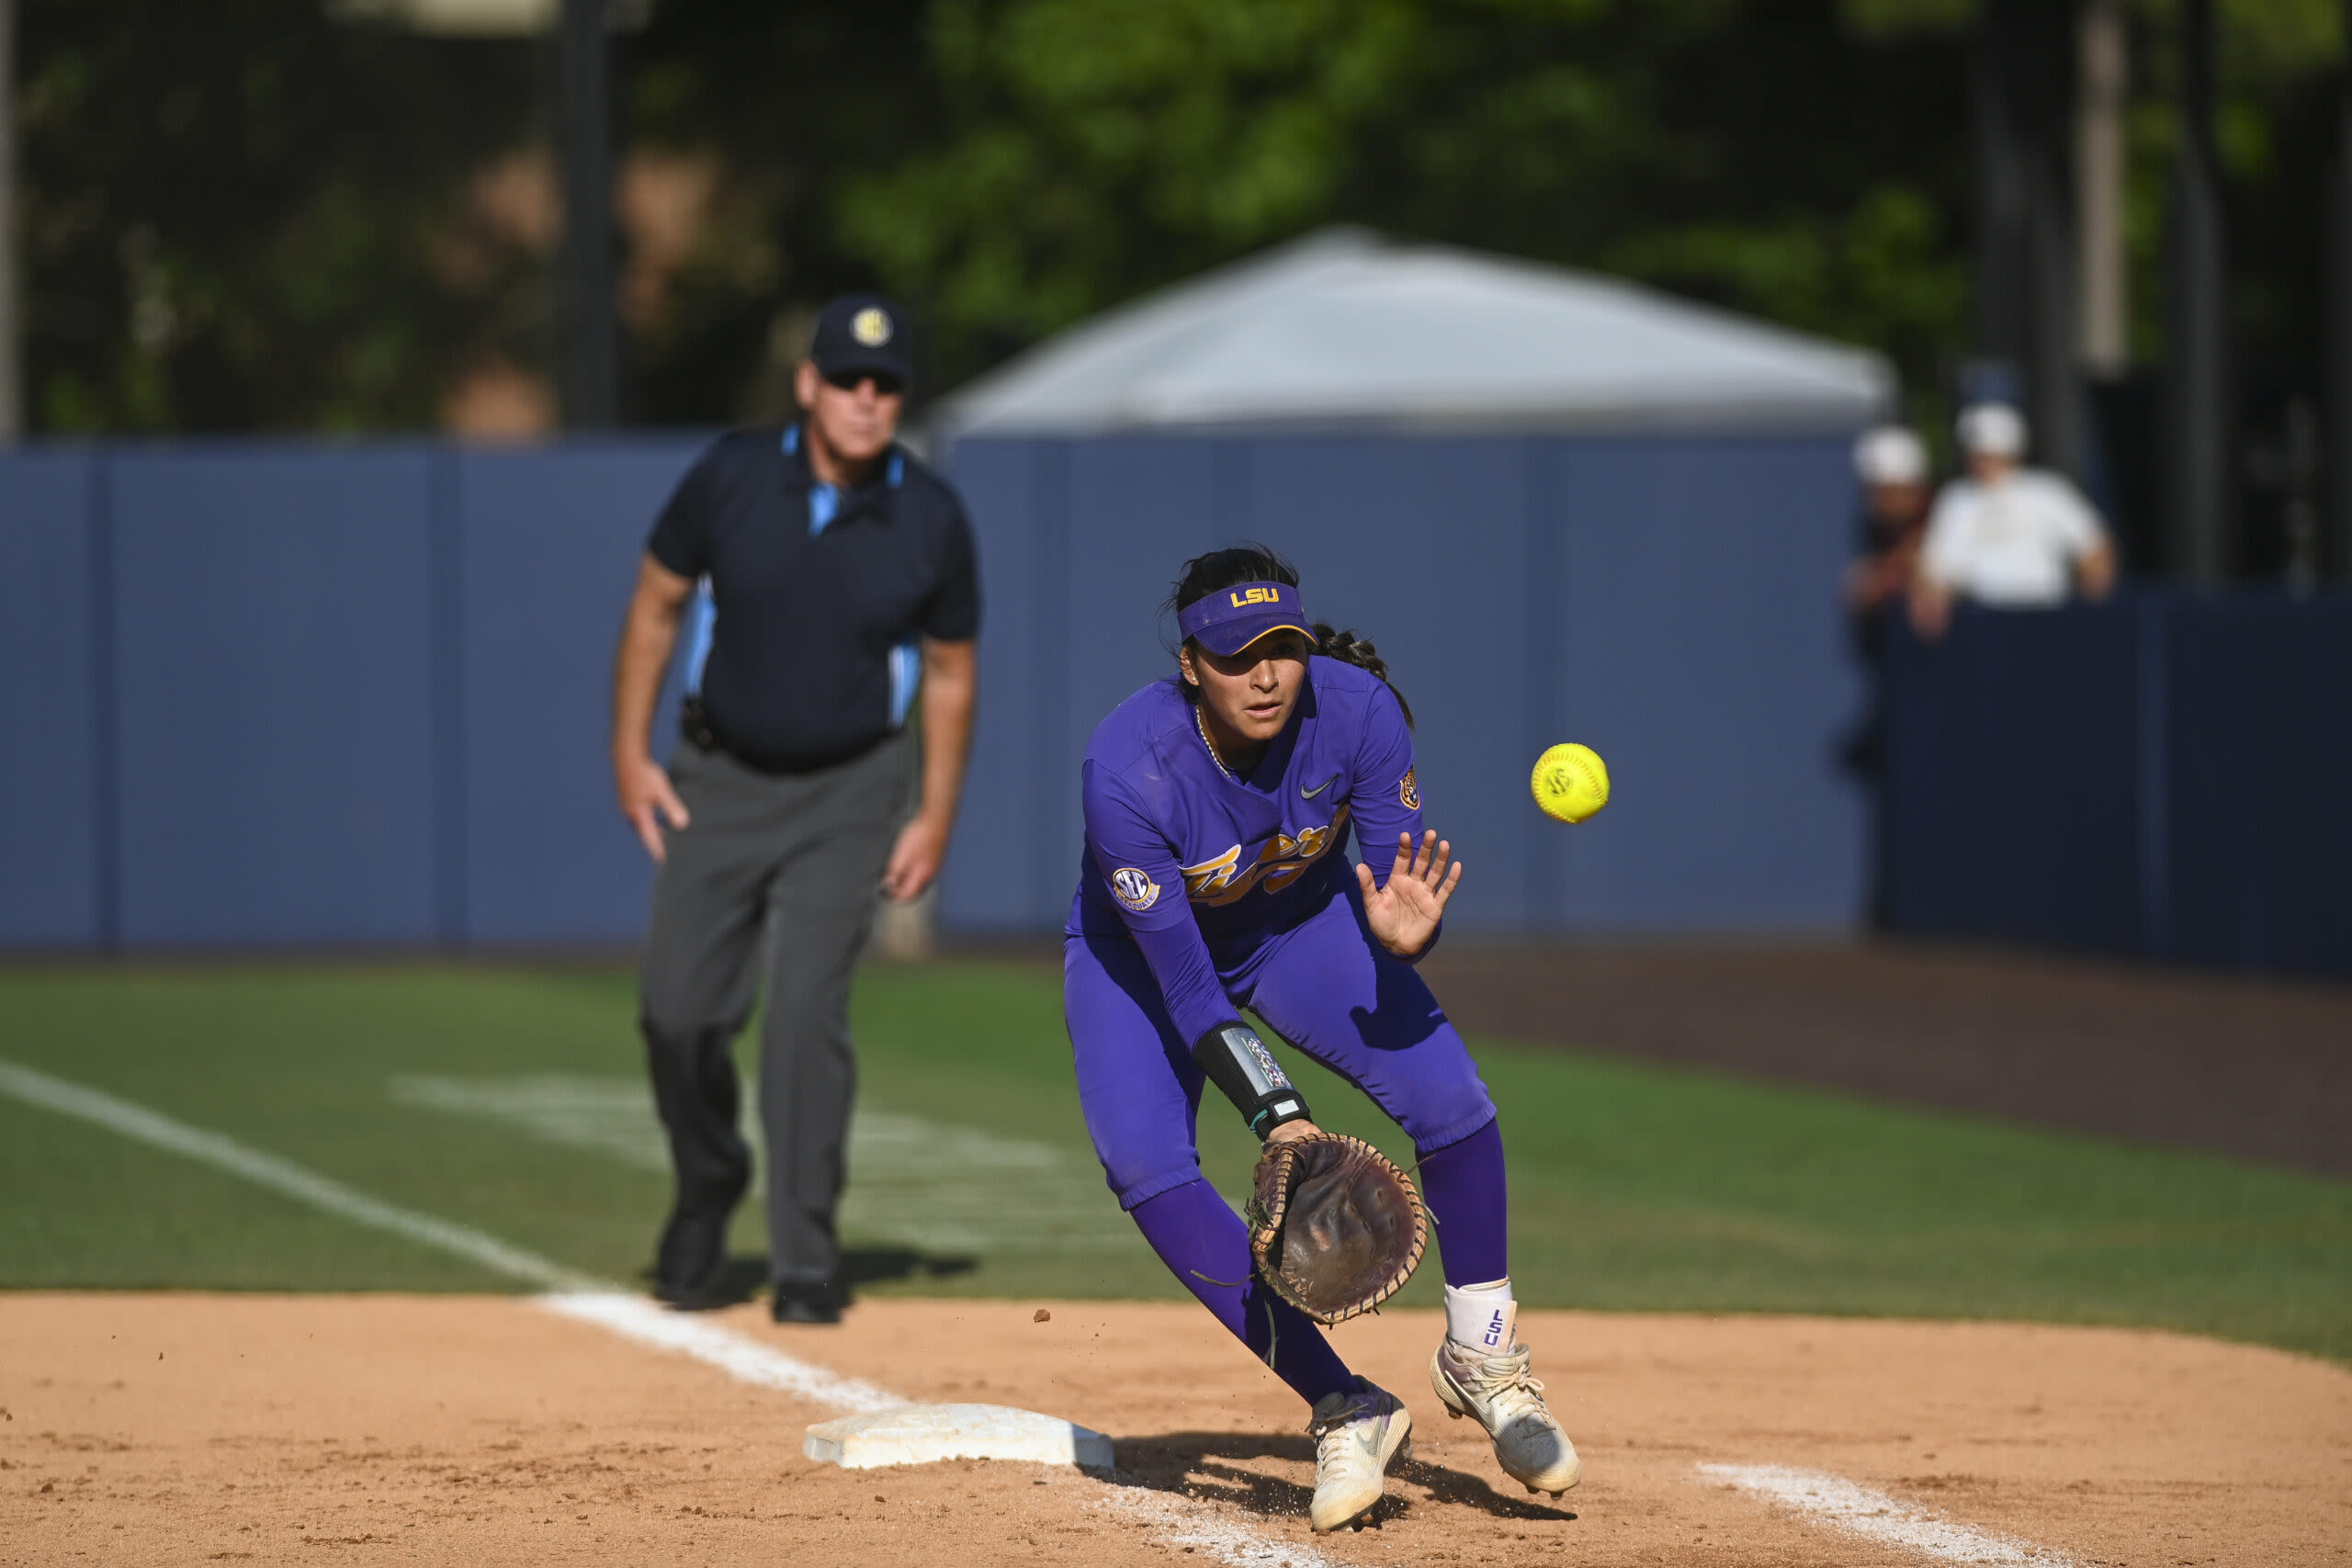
x,y
1238,1064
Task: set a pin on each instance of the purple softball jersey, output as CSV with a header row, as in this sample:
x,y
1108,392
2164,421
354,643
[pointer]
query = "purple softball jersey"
x,y
1201,894
1201,868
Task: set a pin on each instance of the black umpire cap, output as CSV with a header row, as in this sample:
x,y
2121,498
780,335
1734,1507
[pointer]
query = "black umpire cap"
x,y
862,334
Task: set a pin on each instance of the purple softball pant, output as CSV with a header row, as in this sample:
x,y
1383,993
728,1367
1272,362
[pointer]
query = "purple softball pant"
x,y
1327,988
1330,990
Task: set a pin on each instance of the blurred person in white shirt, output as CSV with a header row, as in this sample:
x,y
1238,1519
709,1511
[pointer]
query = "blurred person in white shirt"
x,y
2006,535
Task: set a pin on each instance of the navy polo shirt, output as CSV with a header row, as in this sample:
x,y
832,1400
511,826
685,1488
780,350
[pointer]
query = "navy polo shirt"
x,y
819,595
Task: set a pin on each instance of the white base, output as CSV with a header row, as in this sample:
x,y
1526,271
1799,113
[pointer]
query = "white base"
x,y
920,1434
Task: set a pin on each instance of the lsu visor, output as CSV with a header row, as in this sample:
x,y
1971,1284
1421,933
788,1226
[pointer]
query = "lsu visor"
x,y
1231,619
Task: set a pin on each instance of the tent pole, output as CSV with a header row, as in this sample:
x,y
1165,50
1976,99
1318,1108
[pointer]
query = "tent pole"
x,y
2337,440
587,351
2000,284
2197,393
2044,63
2104,60
2026,307
12,329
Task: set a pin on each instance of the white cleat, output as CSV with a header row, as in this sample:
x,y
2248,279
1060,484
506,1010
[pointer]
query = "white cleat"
x,y
1356,1435
1497,1391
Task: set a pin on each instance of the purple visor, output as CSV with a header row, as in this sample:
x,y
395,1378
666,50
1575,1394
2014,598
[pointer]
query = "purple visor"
x,y
1232,618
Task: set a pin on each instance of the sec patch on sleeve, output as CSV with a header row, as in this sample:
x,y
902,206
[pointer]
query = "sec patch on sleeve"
x,y
1408,792
1134,889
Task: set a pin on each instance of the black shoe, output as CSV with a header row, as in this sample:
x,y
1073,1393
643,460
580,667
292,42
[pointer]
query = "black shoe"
x,y
690,1266
808,1301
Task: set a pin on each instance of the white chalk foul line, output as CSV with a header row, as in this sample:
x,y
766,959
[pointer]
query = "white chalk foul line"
x,y
284,1177
739,1356
1858,1510
1209,1528
938,1186
579,1296
1183,1522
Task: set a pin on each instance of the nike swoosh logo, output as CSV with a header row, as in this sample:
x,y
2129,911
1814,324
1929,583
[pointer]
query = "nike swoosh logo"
x,y
1305,793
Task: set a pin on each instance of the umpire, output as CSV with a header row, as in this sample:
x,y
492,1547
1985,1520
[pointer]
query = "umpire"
x,y
841,589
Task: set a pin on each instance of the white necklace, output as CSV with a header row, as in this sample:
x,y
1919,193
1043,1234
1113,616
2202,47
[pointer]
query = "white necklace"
x,y
1202,724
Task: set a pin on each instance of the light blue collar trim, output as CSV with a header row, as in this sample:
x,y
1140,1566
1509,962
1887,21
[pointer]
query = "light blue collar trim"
x,y
892,476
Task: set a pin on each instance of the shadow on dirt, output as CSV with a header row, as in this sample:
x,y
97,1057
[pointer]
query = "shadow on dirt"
x,y
746,1273
866,1264
1215,1466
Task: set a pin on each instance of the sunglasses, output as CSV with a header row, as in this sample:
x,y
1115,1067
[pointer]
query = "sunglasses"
x,y
885,384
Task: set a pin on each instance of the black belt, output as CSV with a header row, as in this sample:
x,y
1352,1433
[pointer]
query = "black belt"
x,y
693,723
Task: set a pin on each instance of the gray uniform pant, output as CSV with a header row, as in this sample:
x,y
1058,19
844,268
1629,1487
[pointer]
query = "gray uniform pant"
x,y
797,859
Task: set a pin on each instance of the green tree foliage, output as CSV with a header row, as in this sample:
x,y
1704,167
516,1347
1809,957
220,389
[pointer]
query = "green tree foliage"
x,y
241,215
1767,156
798,102
231,210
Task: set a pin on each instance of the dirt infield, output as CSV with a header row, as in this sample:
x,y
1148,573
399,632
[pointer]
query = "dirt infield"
x,y
2260,1068
181,1428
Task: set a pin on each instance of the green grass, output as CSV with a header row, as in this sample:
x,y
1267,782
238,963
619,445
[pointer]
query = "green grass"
x,y
1632,1185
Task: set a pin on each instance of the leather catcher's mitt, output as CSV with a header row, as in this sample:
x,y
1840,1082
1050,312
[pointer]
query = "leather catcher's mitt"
x,y
1336,1228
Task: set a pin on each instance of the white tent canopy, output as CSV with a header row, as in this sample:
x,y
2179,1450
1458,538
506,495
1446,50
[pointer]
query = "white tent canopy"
x,y
1345,329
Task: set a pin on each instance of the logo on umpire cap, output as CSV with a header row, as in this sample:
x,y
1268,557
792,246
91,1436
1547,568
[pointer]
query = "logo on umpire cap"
x,y
1134,889
871,326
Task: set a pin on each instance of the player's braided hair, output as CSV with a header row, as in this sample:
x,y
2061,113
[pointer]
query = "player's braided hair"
x,y
1350,648
1205,575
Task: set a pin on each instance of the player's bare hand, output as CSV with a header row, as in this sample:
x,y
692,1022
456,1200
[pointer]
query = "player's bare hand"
x,y
647,798
1302,1128
915,859
1404,915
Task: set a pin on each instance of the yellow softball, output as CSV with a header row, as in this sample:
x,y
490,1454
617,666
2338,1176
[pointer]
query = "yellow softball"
x,y
1571,781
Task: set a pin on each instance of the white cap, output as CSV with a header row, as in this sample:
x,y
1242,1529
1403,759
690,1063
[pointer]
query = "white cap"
x,y
1890,454
1993,430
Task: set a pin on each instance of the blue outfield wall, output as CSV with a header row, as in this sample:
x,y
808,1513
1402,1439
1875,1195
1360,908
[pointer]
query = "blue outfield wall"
x,y
272,743
1669,602
551,546
280,694
300,694
2165,776
53,790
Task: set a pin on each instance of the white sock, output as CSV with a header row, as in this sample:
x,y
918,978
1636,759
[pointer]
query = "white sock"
x,y
1482,1317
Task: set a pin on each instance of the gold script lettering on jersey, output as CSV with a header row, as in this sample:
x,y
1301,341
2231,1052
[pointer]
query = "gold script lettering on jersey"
x,y
1283,860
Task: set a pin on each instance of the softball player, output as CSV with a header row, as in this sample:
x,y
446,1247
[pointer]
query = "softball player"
x,y
1213,802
